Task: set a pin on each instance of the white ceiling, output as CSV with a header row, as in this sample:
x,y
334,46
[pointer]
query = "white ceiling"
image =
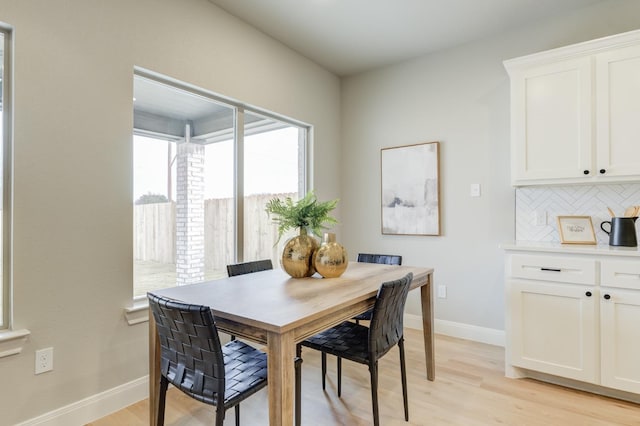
x,y
350,36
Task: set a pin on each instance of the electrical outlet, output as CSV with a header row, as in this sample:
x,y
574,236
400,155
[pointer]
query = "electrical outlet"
x,y
442,291
540,217
44,360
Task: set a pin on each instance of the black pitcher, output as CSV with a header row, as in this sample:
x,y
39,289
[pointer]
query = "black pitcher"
x,y
622,231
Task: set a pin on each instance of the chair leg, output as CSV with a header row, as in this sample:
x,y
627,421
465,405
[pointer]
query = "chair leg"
x,y
324,369
238,415
298,396
164,383
220,414
339,377
373,371
403,373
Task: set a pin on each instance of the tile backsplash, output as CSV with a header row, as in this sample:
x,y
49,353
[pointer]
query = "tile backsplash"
x,y
575,200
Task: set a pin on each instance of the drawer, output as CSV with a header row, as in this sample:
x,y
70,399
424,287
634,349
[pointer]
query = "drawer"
x,y
557,268
620,273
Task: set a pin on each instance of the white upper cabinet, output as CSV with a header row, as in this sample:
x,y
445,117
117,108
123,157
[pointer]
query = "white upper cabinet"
x,y
551,121
618,111
575,113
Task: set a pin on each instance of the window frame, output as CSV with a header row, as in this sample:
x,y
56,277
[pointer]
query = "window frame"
x,y
7,175
240,109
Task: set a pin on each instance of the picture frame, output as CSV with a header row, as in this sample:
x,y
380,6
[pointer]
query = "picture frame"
x,y
576,230
410,189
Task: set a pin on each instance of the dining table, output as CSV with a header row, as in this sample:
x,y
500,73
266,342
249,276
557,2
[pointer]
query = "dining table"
x,y
275,310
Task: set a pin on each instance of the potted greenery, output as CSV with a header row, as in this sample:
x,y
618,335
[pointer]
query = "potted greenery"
x,y
306,214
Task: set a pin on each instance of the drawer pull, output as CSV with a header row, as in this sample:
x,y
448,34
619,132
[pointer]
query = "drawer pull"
x,y
588,294
625,275
551,269
607,296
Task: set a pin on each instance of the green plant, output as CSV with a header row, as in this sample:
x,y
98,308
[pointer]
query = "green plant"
x,y
308,213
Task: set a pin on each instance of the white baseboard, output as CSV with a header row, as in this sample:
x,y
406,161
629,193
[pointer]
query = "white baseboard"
x,y
95,407
490,336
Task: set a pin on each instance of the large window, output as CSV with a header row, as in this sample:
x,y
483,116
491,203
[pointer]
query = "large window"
x,y
204,168
5,161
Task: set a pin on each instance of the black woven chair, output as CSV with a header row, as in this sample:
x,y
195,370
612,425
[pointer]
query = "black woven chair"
x,y
264,265
249,267
193,360
366,345
386,259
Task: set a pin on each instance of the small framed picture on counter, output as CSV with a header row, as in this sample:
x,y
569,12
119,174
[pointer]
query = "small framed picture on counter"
x,y
576,230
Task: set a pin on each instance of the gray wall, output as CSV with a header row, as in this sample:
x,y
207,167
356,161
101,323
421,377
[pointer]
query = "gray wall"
x,y
459,97
73,255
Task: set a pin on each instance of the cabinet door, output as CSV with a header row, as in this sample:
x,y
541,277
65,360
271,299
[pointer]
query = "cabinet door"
x,y
620,331
618,112
551,121
554,328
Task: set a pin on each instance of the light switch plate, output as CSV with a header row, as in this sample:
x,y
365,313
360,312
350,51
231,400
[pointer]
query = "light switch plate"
x,y
475,190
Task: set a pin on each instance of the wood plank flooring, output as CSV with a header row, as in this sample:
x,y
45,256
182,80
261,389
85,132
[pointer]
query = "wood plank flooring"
x,y
470,389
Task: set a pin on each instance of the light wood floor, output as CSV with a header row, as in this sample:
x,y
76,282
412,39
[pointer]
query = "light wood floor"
x,y
470,389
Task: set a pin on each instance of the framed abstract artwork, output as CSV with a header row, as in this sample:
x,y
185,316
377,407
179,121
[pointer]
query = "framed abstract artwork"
x,y
411,189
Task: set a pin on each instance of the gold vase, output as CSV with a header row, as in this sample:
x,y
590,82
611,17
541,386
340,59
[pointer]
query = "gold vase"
x,y
331,259
297,256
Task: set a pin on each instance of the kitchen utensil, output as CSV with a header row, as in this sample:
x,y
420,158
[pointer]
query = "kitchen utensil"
x,y
630,211
611,212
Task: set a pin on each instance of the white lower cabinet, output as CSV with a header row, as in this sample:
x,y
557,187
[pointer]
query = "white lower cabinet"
x,y
620,339
554,328
575,316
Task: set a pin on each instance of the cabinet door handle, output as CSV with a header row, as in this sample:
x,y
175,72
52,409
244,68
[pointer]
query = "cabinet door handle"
x,y
602,171
551,269
607,296
586,172
588,294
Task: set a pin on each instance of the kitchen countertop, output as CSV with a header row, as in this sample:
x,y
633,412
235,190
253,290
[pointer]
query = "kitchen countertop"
x,y
546,247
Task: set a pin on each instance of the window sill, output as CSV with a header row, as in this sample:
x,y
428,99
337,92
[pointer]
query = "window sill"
x,y
12,341
137,313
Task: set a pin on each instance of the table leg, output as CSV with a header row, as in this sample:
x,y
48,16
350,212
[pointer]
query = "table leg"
x,y
280,361
154,371
427,326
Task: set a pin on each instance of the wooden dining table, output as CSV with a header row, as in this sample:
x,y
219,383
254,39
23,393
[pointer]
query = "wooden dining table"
x,y
271,308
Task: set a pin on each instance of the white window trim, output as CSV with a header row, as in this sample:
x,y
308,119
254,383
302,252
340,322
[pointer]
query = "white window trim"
x,y
138,312
12,342
6,239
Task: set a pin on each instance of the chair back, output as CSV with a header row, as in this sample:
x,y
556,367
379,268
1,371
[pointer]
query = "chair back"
x,y
249,267
387,328
387,259
191,354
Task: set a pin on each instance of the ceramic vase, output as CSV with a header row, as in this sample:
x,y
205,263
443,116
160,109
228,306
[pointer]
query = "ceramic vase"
x,y
297,255
331,259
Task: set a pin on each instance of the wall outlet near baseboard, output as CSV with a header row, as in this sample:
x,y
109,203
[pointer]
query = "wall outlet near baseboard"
x,y
44,360
442,291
